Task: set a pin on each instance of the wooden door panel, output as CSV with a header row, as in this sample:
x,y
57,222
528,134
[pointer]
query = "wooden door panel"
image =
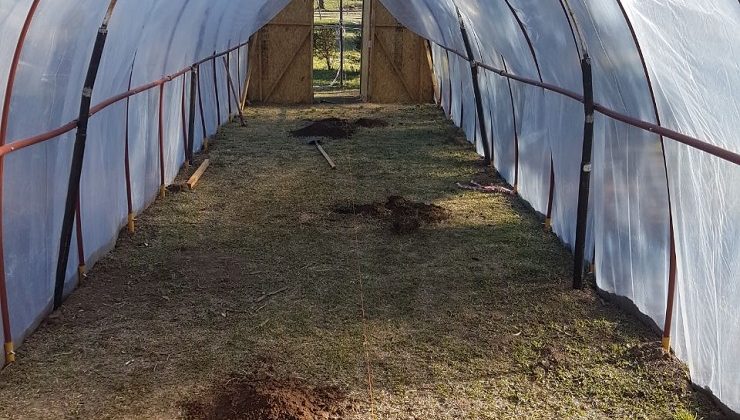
x,y
281,57
396,64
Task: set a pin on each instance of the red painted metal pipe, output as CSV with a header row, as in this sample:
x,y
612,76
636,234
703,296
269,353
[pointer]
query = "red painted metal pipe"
x,y
215,88
160,124
184,123
644,125
66,128
127,161
673,135
22,144
4,310
227,58
239,76
200,107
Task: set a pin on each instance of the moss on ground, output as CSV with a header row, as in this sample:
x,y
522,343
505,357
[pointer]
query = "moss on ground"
x,y
468,318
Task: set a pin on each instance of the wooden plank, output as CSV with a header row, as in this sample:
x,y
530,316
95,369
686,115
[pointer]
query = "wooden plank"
x,y
326,156
193,181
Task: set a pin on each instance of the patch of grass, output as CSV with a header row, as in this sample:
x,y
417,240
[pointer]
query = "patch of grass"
x,y
324,78
682,414
472,317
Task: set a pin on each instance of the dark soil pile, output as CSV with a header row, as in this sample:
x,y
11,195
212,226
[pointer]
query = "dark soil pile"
x,y
337,128
334,128
405,216
371,123
266,398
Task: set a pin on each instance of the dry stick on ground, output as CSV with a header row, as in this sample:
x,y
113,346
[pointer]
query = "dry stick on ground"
x,y
271,294
323,153
474,186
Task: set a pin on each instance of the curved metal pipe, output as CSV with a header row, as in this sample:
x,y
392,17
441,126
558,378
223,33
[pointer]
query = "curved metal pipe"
x,y
4,310
671,298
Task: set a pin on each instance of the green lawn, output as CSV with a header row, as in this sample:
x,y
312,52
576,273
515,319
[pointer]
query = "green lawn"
x,y
323,76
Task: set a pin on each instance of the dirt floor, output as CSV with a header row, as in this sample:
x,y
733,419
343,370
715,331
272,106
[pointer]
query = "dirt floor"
x,y
257,297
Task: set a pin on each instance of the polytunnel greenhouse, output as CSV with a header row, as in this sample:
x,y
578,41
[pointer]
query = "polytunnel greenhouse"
x,y
598,270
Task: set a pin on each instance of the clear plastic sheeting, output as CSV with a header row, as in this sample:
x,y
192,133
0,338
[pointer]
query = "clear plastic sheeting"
x,y
671,63
630,194
693,65
146,41
667,62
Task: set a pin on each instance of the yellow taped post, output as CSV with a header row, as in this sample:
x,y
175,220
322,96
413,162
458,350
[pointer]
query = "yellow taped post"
x,y
205,144
131,223
9,353
82,271
548,224
592,268
666,344
162,191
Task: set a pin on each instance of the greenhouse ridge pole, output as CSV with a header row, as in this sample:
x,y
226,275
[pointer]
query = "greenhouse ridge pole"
x,y
585,183
4,310
476,90
78,156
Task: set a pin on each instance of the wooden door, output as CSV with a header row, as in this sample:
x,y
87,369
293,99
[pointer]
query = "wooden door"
x,y
281,57
396,63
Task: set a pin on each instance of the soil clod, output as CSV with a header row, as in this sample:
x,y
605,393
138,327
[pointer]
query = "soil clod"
x,y
405,216
261,397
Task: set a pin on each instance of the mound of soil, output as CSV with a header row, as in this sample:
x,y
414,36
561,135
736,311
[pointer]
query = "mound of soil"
x,y
371,123
334,128
337,128
266,398
406,216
